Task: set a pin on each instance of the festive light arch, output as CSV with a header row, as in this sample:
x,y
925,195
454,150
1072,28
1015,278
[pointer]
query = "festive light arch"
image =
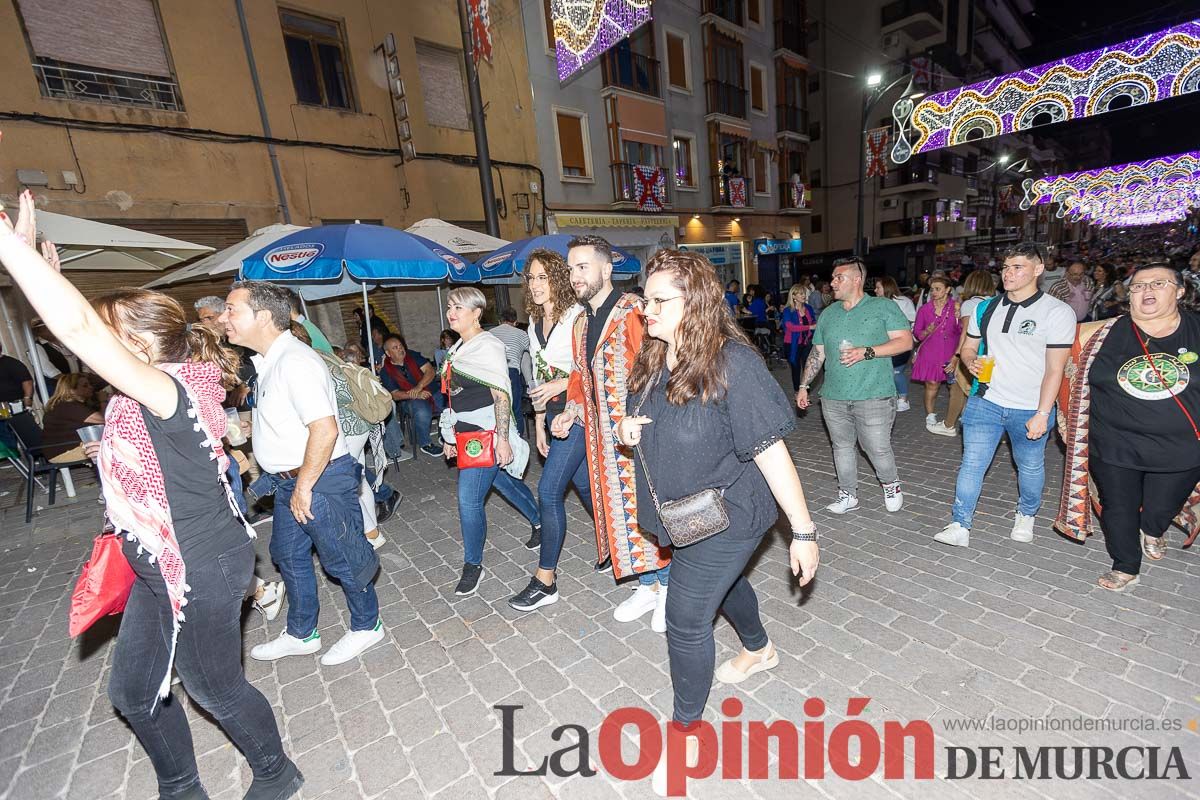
x,y
1136,72
1152,174
585,29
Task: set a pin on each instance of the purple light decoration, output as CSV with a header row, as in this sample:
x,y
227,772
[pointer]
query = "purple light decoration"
x,y
1143,70
1161,174
585,29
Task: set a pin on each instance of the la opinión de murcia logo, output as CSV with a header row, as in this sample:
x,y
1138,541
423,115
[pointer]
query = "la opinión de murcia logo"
x,y
853,749
293,257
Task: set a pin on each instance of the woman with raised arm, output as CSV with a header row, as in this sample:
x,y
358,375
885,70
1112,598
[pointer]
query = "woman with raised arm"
x,y
162,469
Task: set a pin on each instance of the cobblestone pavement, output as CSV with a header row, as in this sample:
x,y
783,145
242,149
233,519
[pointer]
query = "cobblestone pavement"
x,y
926,631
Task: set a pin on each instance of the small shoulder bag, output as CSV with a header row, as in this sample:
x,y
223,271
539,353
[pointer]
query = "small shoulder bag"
x,y
689,519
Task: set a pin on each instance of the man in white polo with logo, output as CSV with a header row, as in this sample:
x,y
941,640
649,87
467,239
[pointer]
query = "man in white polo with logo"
x,y
299,445
1029,333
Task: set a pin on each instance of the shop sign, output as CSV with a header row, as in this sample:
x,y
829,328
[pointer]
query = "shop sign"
x,y
772,247
720,254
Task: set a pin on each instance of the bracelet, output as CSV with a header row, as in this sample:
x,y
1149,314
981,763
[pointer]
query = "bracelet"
x,y
1043,414
803,386
809,535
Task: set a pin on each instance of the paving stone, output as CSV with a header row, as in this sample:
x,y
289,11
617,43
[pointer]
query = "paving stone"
x,y
438,762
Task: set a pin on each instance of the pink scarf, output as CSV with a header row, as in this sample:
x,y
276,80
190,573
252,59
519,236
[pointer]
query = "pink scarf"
x,y
135,493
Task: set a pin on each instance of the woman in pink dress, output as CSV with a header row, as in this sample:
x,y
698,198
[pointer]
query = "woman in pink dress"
x,y
937,330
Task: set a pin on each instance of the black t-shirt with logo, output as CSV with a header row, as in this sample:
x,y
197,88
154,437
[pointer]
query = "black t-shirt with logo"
x,y
1135,422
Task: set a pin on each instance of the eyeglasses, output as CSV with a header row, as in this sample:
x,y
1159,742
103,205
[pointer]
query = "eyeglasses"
x,y
543,278
656,303
1158,286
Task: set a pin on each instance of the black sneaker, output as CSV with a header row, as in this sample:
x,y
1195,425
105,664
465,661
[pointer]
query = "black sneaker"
x,y
535,538
385,510
603,566
431,450
534,596
284,785
469,581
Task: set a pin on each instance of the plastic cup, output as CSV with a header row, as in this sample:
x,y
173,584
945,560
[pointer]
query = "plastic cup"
x,y
986,365
233,428
90,433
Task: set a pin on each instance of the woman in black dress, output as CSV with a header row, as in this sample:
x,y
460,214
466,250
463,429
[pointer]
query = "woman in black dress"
x,y
706,413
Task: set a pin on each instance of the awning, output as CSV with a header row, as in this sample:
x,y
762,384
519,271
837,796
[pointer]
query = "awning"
x,y
85,244
742,132
644,137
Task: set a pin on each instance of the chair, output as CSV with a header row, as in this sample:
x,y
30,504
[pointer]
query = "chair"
x,y
33,462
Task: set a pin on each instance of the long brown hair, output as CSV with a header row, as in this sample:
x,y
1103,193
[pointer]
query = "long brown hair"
x,y
161,318
700,339
562,294
978,284
891,289
67,388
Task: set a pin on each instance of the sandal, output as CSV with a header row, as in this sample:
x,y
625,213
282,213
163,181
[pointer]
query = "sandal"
x,y
768,658
1116,581
1154,547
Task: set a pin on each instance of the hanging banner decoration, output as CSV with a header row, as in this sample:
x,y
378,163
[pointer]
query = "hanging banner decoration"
x,y
481,29
737,192
1133,73
799,196
876,155
651,187
1005,195
922,73
1156,174
585,29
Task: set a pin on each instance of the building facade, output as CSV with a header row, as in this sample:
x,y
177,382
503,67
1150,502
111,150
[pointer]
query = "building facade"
x,y
146,113
691,132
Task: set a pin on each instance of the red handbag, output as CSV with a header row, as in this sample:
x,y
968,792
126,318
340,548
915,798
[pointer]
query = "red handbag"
x,y
103,586
472,448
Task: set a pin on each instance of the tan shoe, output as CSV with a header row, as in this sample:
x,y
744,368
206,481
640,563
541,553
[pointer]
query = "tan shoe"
x,y
1154,547
1116,581
767,659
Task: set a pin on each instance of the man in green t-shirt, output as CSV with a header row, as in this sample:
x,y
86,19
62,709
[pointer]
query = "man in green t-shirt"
x,y
858,400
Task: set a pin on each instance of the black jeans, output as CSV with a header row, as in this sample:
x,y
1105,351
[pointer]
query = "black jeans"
x,y
706,577
208,658
1133,501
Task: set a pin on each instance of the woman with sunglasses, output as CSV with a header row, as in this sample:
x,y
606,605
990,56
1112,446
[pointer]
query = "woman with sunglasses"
x,y
1131,425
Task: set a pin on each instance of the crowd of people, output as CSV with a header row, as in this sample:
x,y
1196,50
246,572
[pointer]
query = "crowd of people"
x,y
657,407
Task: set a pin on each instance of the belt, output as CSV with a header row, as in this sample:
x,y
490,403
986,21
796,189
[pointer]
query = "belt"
x,y
288,474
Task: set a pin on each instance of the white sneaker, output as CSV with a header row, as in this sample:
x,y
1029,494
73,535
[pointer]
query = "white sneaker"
x,y
1022,530
271,602
893,498
930,419
902,404
658,622
286,645
643,600
954,534
941,429
845,502
353,644
378,542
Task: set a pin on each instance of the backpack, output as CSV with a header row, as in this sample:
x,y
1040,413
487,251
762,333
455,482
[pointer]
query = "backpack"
x,y
370,401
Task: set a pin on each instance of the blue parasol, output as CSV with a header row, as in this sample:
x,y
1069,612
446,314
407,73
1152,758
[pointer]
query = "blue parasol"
x,y
506,264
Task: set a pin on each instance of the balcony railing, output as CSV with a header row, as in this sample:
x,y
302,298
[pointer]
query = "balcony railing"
x,y
913,226
792,200
903,9
732,10
629,187
725,191
791,35
726,98
911,176
791,118
69,82
625,69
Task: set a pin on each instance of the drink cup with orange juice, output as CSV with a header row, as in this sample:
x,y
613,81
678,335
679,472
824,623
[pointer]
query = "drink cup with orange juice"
x,y
986,365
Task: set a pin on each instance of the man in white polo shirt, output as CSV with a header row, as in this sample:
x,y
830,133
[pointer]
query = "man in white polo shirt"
x,y
1029,333
298,443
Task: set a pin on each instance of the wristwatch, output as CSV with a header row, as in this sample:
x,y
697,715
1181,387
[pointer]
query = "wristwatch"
x,y
868,353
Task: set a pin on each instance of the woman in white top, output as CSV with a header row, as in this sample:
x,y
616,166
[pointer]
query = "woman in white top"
x,y
886,286
977,288
550,301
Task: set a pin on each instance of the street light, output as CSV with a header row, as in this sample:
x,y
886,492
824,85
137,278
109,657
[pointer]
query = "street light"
x,y
872,96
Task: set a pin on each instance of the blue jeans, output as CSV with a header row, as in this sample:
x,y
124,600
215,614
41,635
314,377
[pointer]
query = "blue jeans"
x,y
421,413
565,465
235,483
384,491
337,533
661,576
900,376
984,423
473,487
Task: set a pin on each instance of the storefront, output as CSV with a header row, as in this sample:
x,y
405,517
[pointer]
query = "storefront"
x,y
640,235
729,258
774,260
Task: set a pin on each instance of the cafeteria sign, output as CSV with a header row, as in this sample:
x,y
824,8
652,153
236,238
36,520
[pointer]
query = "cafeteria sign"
x,y
772,247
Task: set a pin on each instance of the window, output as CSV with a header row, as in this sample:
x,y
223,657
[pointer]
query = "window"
x,y
317,58
441,71
814,83
814,131
573,156
762,174
548,16
678,68
758,89
815,179
649,155
754,11
816,223
684,148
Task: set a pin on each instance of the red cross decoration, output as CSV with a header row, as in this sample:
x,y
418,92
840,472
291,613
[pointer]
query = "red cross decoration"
x,y
1006,193
737,192
877,142
481,29
922,76
651,187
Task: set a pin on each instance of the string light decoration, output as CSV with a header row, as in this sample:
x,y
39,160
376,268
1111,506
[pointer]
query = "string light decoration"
x,y
1133,73
1182,169
585,29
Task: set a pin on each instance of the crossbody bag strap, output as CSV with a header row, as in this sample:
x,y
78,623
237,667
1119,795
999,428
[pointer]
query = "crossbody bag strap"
x,y
637,412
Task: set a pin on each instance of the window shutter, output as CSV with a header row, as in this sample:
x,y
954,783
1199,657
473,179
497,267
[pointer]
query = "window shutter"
x,y
120,35
441,73
757,92
570,142
676,62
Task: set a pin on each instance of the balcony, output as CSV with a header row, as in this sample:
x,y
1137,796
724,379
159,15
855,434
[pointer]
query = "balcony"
x,y
630,190
909,229
68,82
726,195
918,18
790,202
792,36
910,178
726,98
729,10
791,119
625,69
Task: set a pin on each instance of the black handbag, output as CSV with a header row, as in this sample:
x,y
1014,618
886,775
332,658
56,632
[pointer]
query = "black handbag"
x,y
689,519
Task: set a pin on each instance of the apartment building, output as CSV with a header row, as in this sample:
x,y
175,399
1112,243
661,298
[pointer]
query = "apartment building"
x,y
142,113
692,132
